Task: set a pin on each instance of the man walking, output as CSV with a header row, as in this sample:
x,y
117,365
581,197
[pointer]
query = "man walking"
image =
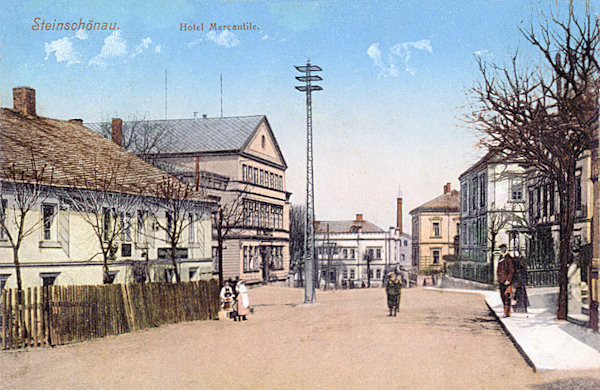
x,y
505,274
393,289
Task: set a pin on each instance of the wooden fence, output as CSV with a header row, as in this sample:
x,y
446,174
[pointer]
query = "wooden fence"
x,y
62,314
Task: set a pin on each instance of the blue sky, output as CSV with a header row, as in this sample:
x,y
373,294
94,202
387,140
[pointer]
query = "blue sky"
x,y
396,75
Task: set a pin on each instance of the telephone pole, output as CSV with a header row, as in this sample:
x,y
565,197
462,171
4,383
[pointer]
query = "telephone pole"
x,y
310,265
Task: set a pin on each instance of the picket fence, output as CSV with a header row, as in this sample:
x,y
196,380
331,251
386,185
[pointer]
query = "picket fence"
x,y
57,315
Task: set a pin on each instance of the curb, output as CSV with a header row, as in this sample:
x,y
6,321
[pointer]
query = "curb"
x,y
510,336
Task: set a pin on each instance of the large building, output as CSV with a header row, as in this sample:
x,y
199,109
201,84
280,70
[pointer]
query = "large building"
x,y
493,209
435,227
342,248
237,161
76,188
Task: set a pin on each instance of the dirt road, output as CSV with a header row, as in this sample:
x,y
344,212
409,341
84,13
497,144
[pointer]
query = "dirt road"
x,y
440,340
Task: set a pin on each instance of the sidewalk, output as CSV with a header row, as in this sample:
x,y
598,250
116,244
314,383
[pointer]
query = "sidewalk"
x,y
546,343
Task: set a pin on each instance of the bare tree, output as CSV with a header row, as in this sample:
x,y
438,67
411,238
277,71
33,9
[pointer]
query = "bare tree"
x,y
98,198
23,187
546,115
174,207
496,222
232,214
297,223
368,258
144,138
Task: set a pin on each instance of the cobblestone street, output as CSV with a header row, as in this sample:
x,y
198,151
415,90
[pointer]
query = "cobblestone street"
x,y
440,340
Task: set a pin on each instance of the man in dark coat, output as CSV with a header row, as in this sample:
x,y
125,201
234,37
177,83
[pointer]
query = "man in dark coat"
x,y
504,274
393,289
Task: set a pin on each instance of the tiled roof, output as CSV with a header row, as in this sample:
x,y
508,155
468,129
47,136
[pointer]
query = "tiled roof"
x,y
76,156
447,202
204,134
346,227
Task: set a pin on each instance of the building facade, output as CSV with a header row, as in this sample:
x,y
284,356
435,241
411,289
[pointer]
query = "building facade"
x,y
342,249
493,209
237,161
49,167
435,227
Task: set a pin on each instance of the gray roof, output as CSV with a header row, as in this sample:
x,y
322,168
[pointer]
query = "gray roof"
x,y
346,227
204,134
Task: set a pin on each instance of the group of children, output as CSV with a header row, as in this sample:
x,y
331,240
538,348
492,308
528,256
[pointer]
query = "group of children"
x,y
235,300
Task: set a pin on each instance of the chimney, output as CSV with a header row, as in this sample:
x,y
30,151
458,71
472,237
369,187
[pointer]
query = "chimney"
x,y
399,215
117,131
359,218
195,114
204,116
447,188
76,121
24,100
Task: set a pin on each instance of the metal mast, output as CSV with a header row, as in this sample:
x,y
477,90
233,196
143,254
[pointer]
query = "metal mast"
x,y
310,265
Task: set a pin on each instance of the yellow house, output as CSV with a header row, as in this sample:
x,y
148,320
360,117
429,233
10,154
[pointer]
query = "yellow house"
x,y
86,199
435,226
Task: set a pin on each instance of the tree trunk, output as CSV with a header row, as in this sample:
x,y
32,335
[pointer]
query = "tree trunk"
x,y
567,219
368,273
174,261
18,273
106,276
220,246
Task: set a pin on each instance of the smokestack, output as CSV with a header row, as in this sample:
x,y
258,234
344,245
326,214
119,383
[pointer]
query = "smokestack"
x,y
359,218
117,131
24,100
399,215
447,188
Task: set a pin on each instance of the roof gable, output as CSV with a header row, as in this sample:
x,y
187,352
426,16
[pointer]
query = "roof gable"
x,y
262,144
446,202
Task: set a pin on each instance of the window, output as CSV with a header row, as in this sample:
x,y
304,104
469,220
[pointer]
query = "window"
x,y
345,274
345,253
3,278
516,189
545,201
465,198
352,275
436,229
402,257
436,257
351,253
482,190
263,142
378,254
513,243
3,234
531,202
191,232
255,176
244,176
551,198
378,274
125,250
192,272
262,177
475,190
48,214
578,194
111,276
48,278
141,222
245,259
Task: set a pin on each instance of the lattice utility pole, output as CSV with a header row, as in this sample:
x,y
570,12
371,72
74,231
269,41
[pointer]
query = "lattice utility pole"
x,y
310,265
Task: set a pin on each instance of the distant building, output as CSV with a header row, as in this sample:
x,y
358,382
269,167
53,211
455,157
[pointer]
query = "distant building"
x,y
435,227
236,160
344,244
65,249
493,209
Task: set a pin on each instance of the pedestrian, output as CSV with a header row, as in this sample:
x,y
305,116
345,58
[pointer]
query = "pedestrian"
x,y
520,283
505,274
226,297
242,301
393,290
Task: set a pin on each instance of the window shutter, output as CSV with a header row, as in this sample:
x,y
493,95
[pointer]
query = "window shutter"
x,y
63,227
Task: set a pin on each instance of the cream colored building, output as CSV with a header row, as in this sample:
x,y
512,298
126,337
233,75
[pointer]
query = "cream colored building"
x,y
435,227
237,161
62,247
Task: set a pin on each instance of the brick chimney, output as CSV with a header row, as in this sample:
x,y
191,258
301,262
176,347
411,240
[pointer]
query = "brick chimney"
x,y
77,121
24,100
359,218
447,188
117,131
399,214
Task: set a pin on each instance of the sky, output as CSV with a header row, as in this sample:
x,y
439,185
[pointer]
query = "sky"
x,y
396,79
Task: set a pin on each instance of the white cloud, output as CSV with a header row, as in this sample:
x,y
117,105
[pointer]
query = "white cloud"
x,y
484,54
402,51
266,38
144,44
157,49
114,46
226,38
81,34
63,50
195,42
